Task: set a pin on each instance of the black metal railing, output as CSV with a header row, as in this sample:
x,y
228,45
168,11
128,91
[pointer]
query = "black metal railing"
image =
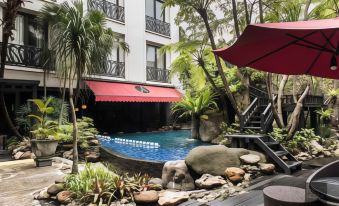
x,y
24,56
157,75
158,26
111,10
112,69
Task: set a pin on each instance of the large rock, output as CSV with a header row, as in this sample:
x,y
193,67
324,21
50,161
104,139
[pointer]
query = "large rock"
x,y
18,155
210,128
267,168
175,175
68,154
214,159
42,195
26,155
235,174
263,158
55,189
207,181
169,198
316,147
336,153
250,159
303,156
64,197
155,184
92,157
93,142
146,197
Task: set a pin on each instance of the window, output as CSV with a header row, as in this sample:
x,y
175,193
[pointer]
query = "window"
x,y
28,32
154,9
154,58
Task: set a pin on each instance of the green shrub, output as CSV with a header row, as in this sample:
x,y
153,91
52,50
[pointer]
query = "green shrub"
x,y
100,185
300,141
86,130
22,119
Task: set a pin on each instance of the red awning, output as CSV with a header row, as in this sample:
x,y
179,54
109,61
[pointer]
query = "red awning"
x,y
293,48
123,92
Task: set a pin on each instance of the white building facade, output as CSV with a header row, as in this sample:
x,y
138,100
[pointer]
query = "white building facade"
x,y
140,23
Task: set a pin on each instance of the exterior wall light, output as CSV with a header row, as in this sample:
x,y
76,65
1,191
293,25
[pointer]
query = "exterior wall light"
x,y
334,64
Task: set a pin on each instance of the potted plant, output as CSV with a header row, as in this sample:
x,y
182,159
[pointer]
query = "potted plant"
x,y
44,136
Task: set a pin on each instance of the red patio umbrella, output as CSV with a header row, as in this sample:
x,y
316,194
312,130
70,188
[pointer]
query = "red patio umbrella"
x,y
293,48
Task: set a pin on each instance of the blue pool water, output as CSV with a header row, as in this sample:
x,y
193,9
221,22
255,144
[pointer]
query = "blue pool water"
x,y
157,146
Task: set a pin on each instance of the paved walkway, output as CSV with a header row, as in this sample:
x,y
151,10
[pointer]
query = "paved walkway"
x,y
20,179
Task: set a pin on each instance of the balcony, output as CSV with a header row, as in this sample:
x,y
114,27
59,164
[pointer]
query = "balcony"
x,y
158,26
111,10
157,75
112,69
24,56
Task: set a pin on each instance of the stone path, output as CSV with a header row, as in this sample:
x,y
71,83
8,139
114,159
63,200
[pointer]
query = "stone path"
x,y
20,179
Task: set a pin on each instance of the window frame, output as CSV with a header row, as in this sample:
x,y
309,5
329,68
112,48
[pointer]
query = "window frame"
x,y
155,11
156,56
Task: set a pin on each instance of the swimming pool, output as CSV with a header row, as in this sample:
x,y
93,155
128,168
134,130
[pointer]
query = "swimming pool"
x,y
155,146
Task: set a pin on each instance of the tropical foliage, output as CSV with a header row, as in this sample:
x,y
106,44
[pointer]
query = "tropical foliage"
x,y
98,185
80,42
195,107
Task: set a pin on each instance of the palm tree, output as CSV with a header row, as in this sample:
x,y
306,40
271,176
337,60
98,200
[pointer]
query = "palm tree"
x,y
81,42
195,107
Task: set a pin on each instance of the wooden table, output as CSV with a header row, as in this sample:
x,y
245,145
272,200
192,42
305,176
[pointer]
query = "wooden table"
x,y
285,196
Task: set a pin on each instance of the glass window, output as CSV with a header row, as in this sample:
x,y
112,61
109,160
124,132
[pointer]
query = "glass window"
x,y
154,58
158,14
151,56
154,9
160,60
150,8
18,33
35,34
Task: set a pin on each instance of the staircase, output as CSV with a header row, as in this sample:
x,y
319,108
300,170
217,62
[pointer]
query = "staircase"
x,y
285,160
258,117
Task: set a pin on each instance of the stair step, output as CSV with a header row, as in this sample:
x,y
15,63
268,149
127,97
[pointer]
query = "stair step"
x,y
292,164
255,122
281,153
272,144
253,128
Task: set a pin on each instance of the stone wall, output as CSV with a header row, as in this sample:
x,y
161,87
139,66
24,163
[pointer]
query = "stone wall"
x,y
130,165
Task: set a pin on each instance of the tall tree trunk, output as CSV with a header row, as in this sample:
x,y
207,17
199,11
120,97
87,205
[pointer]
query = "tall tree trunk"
x,y
280,95
247,15
44,82
294,121
203,14
335,106
201,63
307,7
8,25
294,89
261,11
270,96
235,18
195,126
63,101
75,169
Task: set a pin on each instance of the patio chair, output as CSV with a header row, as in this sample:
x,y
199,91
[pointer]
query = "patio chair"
x,y
324,184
